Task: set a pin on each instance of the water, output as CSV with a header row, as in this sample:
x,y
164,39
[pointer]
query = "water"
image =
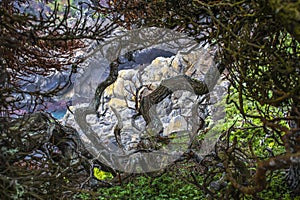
x,y
58,108
59,114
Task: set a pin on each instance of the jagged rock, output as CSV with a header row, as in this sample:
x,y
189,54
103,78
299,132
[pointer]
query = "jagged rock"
x,y
179,112
176,124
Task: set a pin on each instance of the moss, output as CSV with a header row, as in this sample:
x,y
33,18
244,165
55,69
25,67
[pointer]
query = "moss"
x,y
288,14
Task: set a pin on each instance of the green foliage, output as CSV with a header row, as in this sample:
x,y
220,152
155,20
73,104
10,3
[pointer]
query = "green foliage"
x,y
166,186
254,142
277,188
82,196
101,175
250,130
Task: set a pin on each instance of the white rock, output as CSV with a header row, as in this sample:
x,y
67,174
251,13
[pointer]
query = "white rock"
x,y
175,113
117,103
177,123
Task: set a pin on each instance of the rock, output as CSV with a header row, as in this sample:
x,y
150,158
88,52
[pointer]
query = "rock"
x,y
178,123
117,103
177,112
